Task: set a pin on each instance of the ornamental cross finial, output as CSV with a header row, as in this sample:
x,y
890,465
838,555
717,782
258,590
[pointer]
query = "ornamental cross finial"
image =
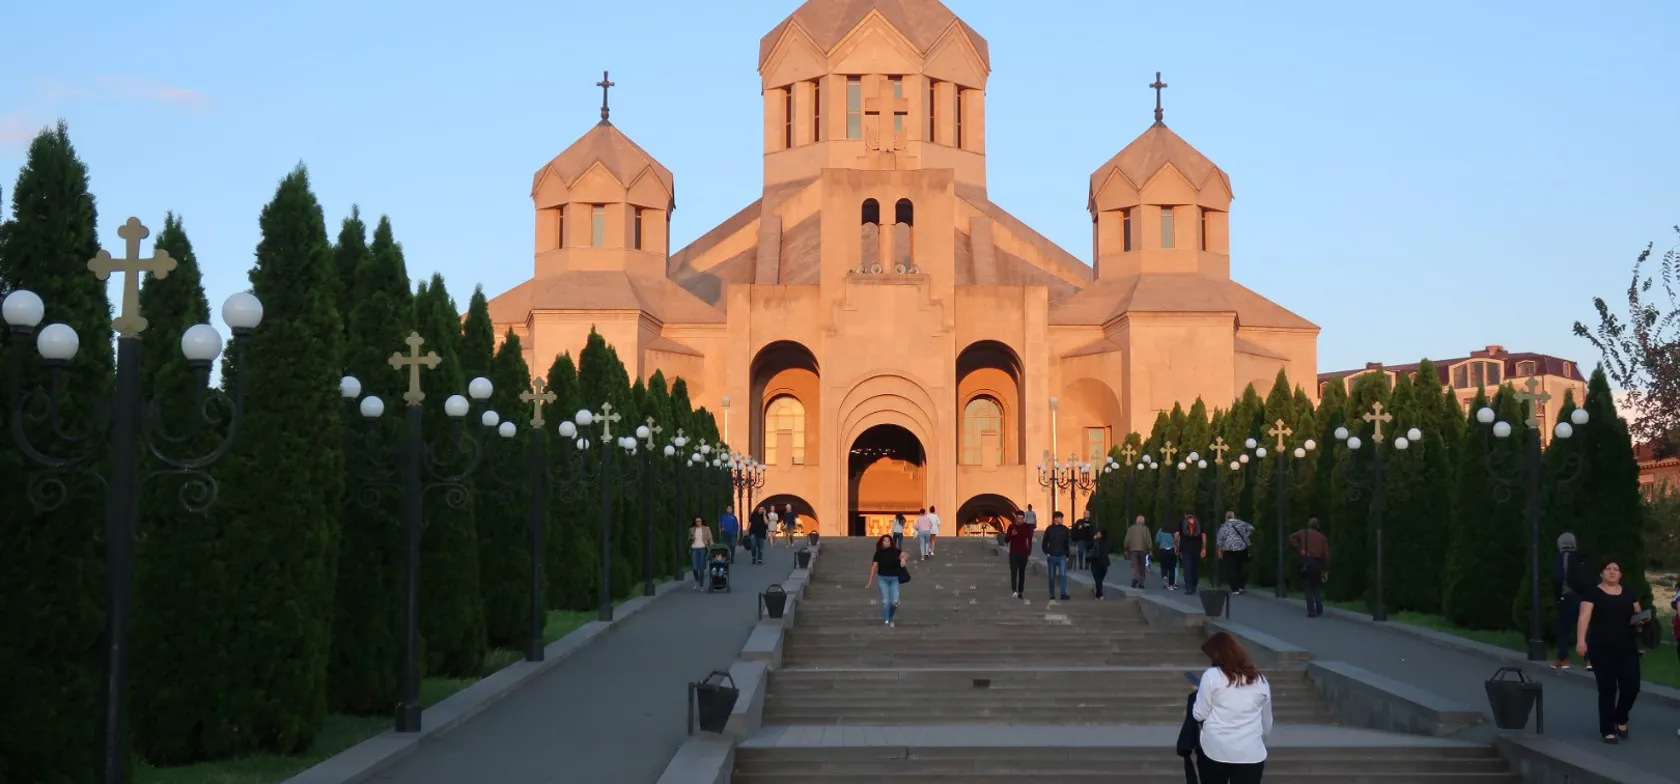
x,y
413,362
605,84
1130,453
1535,400
1158,86
1219,448
1377,417
607,418
538,396
1169,450
653,430
130,322
1280,431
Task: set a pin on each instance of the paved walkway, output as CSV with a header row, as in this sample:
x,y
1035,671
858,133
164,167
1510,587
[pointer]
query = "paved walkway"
x,y
1571,704
614,713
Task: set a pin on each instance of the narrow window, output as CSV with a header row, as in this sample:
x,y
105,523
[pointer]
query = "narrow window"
x,y
561,210
1460,377
787,117
1525,368
854,107
1166,227
637,238
598,226
898,95
1202,241
1496,373
932,112
816,110
1478,378
1126,222
958,118
1096,445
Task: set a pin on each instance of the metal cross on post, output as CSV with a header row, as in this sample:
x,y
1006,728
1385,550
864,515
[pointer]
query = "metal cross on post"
x,y
1535,400
414,361
1219,448
1130,453
130,322
1168,451
1158,86
1281,431
605,84
538,395
653,430
607,418
1377,417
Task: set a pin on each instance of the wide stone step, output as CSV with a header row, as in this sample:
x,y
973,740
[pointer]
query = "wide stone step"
x,y
1007,714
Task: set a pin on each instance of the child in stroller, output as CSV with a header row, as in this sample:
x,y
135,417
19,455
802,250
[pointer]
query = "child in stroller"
x,y
717,566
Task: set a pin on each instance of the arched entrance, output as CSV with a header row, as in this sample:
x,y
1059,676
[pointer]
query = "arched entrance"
x,y
985,515
785,399
886,474
992,424
807,520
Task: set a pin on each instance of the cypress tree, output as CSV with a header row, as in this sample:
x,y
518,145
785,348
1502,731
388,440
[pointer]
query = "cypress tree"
x,y
567,465
451,607
1610,482
364,675
503,517
1331,414
1353,538
51,565
1149,500
682,415
348,254
1280,404
667,529
169,689
1485,557
1419,487
627,522
281,488
595,387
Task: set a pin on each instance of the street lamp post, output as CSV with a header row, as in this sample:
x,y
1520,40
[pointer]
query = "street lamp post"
x,y
1082,482
536,501
1280,430
1055,477
1372,481
1526,475
647,433
609,488
132,425
679,467
419,460
1218,449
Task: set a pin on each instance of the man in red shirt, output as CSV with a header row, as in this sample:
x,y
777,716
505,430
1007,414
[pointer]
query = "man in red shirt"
x,y
1020,538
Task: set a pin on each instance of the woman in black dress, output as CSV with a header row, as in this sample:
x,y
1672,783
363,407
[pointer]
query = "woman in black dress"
x,y
1607,629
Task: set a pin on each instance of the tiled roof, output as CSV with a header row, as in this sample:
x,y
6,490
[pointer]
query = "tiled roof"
x,y
1545,365
828,22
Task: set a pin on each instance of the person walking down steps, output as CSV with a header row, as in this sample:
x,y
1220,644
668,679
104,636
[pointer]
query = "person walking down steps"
x,y
1137,550
1098,558
887,571
1020,539
1056,543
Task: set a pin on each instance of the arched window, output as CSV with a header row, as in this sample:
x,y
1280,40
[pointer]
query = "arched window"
x,y
904,236
785,414
869,237
981,416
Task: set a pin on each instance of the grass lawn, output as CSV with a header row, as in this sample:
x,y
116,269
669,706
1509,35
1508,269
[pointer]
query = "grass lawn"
x,y
340,732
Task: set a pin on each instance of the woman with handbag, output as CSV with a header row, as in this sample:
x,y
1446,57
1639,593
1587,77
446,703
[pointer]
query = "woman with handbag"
x,y
1610,615
888,570
1234,705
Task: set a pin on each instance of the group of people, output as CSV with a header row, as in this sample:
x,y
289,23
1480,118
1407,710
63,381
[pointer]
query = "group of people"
x,y
764,524
926,529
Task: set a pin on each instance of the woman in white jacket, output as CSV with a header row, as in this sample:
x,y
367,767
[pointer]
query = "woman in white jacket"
x,y
1234,706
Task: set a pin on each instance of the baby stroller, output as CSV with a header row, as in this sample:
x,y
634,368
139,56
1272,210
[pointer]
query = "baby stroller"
x,y
717,566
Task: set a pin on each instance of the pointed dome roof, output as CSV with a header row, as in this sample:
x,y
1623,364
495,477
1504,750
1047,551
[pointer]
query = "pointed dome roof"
x,y
828,21
1153,150
607,145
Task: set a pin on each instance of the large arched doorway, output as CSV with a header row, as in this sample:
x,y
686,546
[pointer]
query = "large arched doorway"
x,y
993,425
986,514
807,520
785,405
886,474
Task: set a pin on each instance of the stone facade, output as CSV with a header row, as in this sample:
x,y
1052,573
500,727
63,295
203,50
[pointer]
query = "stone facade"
x,y
874,322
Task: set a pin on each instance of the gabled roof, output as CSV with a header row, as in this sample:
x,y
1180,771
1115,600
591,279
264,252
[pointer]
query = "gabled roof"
x,y
828,22
1153,150
1109,298
596,290
607,145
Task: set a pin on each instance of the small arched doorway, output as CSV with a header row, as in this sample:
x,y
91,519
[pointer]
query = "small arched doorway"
x,y
886,475
807,520
986,514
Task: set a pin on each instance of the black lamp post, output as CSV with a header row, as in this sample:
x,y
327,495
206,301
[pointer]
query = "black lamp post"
x,y
1218,449
1056,477
680,518
1280,430
442,466
1372,481
132,425
536,501
609,488
646,434
746,474
1526,475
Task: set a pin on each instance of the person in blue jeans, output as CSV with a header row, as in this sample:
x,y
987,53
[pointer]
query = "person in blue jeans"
x,y
884,572
1056,543
730,527
699,540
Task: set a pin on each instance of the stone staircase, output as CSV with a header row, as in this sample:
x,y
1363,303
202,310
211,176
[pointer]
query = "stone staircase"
x,y
975,686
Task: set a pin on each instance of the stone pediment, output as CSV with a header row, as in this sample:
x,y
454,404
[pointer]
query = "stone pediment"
x,y
605,147
828,22
876,47
795,58
1108,299
954,59
603,290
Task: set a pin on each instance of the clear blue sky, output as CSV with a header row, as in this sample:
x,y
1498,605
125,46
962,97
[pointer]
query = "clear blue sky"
x,y
1418,178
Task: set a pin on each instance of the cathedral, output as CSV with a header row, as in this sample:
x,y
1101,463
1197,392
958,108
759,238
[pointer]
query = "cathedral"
x,y
873,327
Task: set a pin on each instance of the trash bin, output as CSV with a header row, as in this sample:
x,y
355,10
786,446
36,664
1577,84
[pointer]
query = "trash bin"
x,y
713,701
774,601
802,558
1215,602
812,538
1512,699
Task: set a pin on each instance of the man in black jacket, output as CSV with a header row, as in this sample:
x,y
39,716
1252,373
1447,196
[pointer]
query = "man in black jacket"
x,y
1572,577
1055,544
1082,530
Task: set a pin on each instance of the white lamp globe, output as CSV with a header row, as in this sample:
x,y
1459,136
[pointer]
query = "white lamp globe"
x,y
1310,445
242,311
1401,443
350,387
456,406
1563,430
568,430
201,343
1341,434
1502,430
1355,443
583,418
1193,457
705,449
372,407
680,441
1579,416
1484,415
507,430
1181,466
1141,466
1251,443
1154,466
23,308
1259,451
1414,435
694,458
642,432
1300,451
1201,464
57,342
1236,466
1242,459
490,418
581,444
480,388
670,450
